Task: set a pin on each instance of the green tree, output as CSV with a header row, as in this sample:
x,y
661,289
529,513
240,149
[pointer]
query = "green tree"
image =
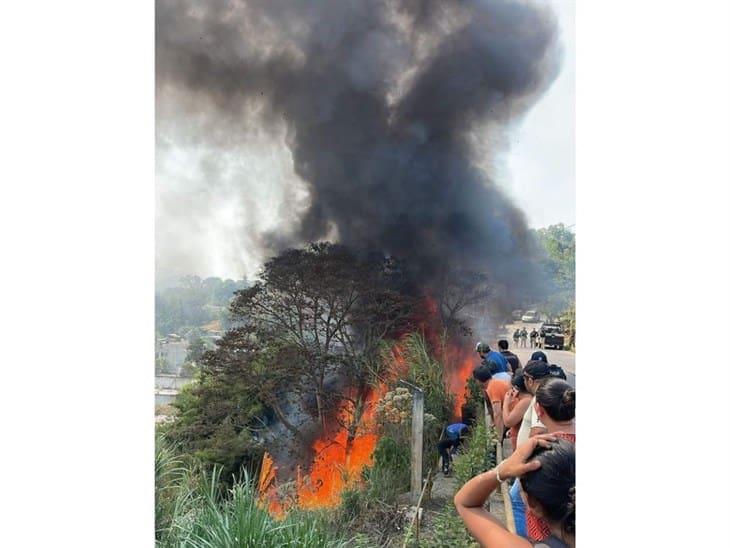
x,y
217,422
193,302
558,241
196,349
333,308
316,314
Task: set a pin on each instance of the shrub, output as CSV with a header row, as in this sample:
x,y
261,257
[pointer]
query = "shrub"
x,y
477,454
390,473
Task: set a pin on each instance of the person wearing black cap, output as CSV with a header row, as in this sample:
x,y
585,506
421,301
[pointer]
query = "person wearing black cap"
x,y
539,355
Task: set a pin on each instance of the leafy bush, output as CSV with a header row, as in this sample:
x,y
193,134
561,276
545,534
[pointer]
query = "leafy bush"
x,y
390,473
214,423
477,455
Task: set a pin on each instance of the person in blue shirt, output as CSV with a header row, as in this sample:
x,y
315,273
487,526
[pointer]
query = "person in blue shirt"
x,y
454,435
489,355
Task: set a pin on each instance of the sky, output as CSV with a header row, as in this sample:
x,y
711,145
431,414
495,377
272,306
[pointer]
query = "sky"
x,y
206,226
539,170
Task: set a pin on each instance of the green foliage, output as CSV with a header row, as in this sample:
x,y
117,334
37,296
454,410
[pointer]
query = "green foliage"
x,y
193,512
427,372
196,349
390,473
333,309
559,265
477,454
193,302
474,404
215,422
448,530
170,474
567,319
559,242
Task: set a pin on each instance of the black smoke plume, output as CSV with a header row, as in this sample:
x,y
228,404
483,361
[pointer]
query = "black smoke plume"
x,y
394,112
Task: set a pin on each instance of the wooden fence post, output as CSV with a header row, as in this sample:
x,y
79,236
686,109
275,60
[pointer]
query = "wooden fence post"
x,y
417,446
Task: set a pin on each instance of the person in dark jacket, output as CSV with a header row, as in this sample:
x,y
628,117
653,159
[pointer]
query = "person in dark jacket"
x,y
511,357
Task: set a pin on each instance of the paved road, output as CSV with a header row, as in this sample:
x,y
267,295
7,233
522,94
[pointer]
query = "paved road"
x,y
563,358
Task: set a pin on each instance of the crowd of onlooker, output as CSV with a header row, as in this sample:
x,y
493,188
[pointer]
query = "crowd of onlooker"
x,y
534,407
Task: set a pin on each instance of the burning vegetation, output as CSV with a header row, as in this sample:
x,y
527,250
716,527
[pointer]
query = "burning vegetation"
x,y
319,340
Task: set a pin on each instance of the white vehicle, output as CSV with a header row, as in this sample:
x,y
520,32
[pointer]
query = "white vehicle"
x,y
530,316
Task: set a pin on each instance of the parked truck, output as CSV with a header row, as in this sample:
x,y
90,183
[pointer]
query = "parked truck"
x,y
551,335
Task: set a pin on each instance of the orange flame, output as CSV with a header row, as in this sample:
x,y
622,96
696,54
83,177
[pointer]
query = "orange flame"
x,y
458,370
459,360
340,460
267,488
338,464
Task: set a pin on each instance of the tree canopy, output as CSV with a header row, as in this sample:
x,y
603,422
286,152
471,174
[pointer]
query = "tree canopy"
x,y
558,241
309,334
193,302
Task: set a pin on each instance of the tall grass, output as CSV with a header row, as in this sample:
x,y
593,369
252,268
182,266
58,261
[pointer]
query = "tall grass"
x,y
427,372
193,512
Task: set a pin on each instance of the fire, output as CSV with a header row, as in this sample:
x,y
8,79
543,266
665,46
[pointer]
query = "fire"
x,y
335,469
456,355
267,488
462,364
339,458
338,464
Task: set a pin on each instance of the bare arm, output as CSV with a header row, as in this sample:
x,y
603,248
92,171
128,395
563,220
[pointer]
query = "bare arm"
x,y
513,418
483,526
470,499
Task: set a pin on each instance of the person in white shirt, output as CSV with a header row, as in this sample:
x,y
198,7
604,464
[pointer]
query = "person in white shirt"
x,y
535,373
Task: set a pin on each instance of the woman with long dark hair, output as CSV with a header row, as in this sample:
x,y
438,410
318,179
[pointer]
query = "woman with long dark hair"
x,y
555,407
545,466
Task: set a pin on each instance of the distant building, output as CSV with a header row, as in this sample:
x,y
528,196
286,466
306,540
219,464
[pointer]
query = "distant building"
x,y
171,350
